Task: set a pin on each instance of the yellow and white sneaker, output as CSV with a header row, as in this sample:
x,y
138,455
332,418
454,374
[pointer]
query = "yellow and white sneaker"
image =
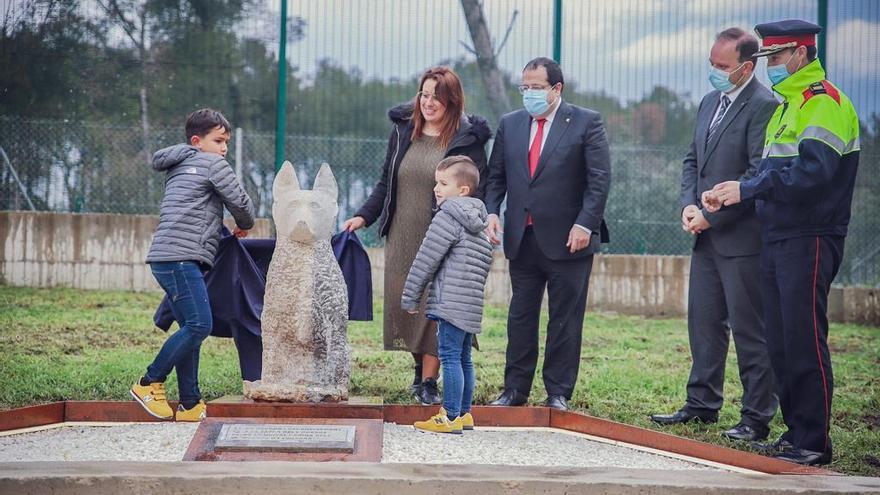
x,y
439,423
152,398
196,414
467,422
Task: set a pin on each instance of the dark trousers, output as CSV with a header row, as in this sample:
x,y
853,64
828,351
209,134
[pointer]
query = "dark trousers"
x,y
796,275
566,283
724,297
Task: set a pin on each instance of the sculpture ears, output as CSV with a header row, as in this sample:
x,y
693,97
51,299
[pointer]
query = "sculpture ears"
x,y
325,182
285,179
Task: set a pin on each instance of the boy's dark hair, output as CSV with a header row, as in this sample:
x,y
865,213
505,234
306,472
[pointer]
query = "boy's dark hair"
x,y
203,121
746,44
554,71
464,171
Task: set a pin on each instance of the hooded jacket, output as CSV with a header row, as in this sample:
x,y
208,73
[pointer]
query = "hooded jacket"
x,y
455,257
470,140
197,187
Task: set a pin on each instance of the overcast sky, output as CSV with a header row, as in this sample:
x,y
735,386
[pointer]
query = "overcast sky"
x,y
620,47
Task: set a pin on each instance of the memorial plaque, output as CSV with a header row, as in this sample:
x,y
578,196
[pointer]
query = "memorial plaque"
x,y
285,438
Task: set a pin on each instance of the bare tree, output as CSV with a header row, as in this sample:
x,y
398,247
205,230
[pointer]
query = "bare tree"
x,y
487,55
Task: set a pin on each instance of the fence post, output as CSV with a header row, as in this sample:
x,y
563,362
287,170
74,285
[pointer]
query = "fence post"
x,y
823,35
557,31
281,98
239,143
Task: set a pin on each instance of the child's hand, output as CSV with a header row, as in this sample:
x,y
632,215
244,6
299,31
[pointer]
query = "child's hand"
x,y
240,233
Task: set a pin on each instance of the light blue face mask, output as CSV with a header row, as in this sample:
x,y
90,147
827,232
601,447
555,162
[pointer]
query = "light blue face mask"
x,y
720,80
779,73
535,101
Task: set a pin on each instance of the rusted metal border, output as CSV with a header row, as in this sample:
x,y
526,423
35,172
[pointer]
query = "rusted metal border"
x,y
116,411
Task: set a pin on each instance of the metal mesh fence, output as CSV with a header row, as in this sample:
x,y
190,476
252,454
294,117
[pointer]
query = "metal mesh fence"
x,y
90,88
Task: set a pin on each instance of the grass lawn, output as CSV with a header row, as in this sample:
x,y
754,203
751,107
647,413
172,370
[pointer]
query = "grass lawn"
x,y
87,345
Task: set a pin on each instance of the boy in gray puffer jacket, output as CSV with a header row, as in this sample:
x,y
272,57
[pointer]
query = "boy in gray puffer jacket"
x,y
198,184
455,257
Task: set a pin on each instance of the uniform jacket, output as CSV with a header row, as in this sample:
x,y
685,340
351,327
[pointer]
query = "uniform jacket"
x,y
811,155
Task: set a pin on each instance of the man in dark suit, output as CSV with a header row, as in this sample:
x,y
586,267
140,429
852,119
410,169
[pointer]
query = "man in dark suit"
x,y
724,293
551,159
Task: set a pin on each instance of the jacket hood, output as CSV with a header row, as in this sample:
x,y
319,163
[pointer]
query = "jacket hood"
x,y
473,128
469,212
172,156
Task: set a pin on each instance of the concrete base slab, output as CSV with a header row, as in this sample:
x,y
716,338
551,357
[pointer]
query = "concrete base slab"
x,y
271,478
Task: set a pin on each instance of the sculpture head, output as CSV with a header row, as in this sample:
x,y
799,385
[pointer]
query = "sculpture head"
x,y
302,215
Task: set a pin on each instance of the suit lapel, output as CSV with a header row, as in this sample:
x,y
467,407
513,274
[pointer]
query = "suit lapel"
x,y
520,144
735,108
557,130
703,124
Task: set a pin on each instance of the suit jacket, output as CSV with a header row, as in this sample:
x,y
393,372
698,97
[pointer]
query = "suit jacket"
x,y
570,185
733,153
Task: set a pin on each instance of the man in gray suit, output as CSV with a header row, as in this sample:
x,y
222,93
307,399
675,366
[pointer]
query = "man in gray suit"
x,y
724,292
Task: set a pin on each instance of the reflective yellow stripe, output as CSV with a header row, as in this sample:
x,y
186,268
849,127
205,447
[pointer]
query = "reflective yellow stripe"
x,y
824,135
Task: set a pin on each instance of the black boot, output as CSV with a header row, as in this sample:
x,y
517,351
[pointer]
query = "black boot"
x,y
429,394
417,381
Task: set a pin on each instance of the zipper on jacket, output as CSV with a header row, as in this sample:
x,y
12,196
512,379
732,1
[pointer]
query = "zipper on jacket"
x,y
387,202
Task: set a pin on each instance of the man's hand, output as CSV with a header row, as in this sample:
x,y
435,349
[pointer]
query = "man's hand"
x,y
698,223
240,233
354,223
688,214
493,229
578,239
723,194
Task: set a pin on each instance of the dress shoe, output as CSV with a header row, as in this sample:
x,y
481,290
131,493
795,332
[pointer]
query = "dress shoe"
x,y
556,402
510,397
683,416
772,448
747,433
805,457
429,393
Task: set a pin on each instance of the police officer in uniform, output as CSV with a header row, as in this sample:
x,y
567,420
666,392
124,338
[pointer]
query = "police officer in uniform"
x,y
803,193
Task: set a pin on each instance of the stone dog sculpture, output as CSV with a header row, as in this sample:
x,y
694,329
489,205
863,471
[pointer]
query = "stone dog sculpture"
x,y
306,357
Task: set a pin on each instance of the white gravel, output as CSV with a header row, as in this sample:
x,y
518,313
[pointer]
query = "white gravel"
x,y
126,442
403,444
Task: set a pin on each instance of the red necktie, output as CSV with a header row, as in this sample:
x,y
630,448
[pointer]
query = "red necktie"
x,y
535,155
535,150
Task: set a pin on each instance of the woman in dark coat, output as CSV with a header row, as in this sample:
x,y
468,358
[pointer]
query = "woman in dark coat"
x,y
424,131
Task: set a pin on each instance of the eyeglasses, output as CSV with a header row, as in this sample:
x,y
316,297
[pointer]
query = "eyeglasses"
x,y
424,95
522,89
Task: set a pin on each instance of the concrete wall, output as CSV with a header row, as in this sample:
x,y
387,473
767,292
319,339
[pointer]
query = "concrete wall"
x,y
99,251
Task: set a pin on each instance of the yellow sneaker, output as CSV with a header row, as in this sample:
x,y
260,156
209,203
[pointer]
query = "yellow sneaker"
x,y
196,414
467,422
152,398
439,423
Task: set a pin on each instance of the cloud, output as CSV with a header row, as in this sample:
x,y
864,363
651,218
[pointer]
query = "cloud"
x,y
854,48
657,48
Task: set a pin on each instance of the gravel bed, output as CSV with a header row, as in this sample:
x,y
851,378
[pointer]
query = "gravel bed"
x,y
403,444
127,442
518,448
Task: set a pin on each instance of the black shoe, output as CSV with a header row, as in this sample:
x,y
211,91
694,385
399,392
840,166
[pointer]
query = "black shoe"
x,y
556,402
747,433
429,393
683,416
805,457
510,397
772,448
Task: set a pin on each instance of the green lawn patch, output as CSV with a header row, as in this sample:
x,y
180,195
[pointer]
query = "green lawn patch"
x,y
62,344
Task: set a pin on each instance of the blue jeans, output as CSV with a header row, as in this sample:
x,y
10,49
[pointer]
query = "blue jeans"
x,y
454,346
184,283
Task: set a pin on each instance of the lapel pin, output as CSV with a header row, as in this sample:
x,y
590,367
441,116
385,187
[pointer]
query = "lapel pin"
x,y
568,119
